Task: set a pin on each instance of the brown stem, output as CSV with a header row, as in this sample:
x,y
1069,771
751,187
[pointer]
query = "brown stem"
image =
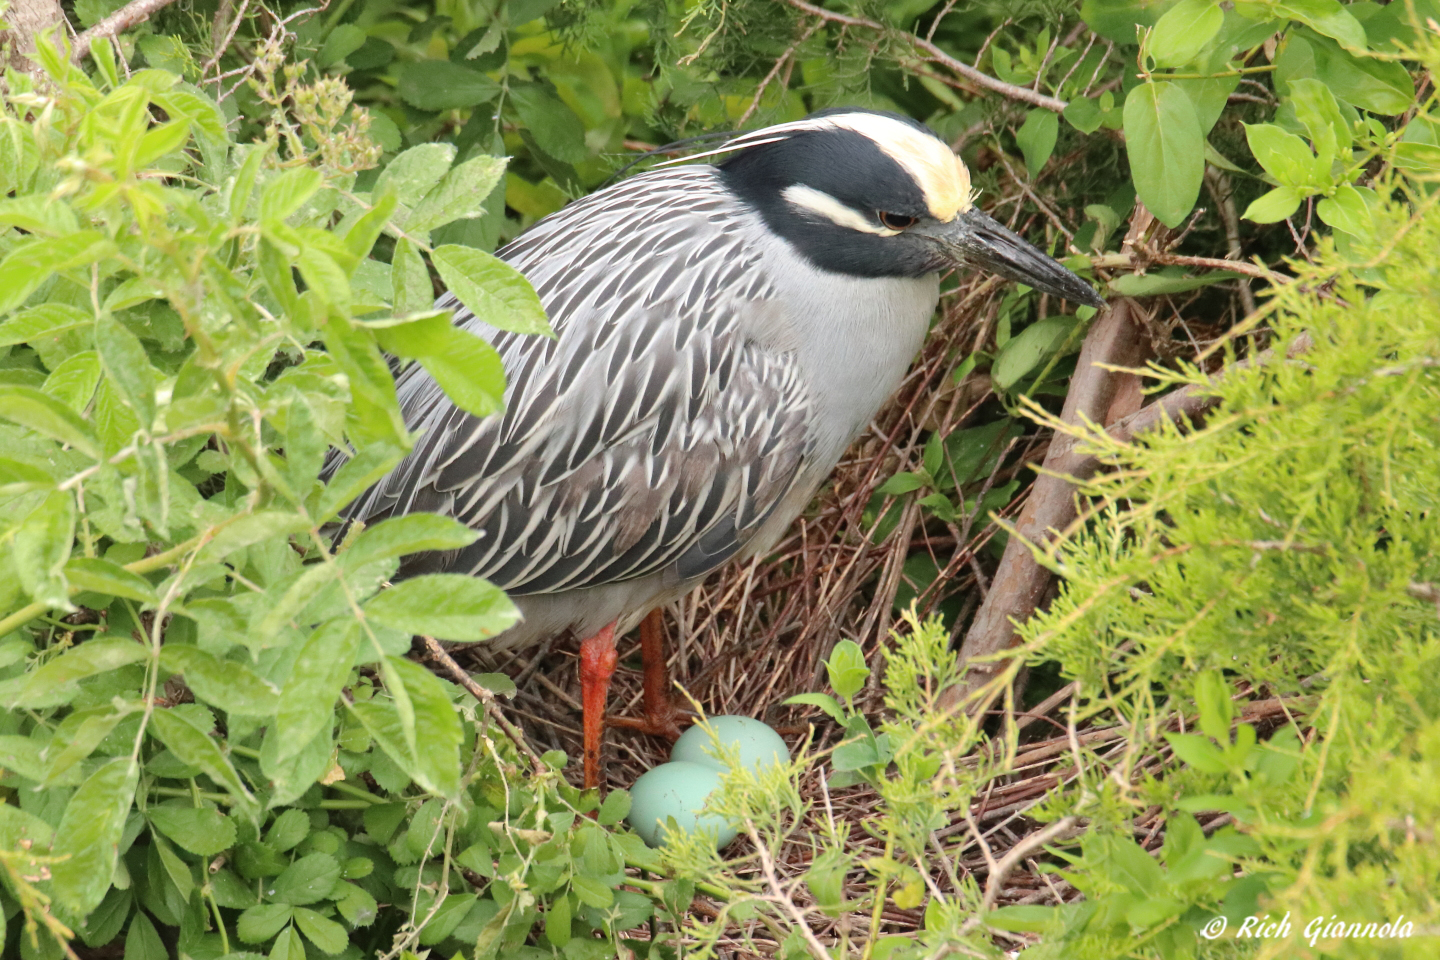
x,y
486,698
121,20
1115,340
934,53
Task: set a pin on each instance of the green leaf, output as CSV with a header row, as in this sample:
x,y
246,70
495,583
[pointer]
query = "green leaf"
x,y
73,382
412,174
591,891
45,320
467,367
1365,82
410,280
447,606
824,701
325,933
847,668
357,905
43,688
87,840
1349,210
201,830
31,263
437,729
194,746
491,289
85,729
142,941
557,922
288,946
289,829
227,684
615,808
259,924
288,192
1212,697
459,195
1198,752
1083,114
42,545
1029,348
1316,107
1273,206
1036,138
111,579
1160,283
1023,918
553,125
344,40
324,276
361,237
307,880
1286,157
240,532
407,534
1327,17
442,85
444,921
902,482
1166,149
1183,32
307,703
356,476
46,415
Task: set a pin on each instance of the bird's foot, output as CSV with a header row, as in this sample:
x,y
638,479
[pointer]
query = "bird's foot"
x,y
669,722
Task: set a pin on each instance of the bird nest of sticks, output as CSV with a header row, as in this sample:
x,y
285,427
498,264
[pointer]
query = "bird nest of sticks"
x,y
757,633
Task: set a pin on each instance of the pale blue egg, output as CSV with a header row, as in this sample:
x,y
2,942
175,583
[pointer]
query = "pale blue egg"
x,y
676,790
759,745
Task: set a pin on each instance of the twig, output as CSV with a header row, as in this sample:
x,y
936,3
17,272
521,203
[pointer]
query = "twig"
x,y
214,60
780,62
1113,261
516,735
1220,189
767,865
939,56
1017,853
137,11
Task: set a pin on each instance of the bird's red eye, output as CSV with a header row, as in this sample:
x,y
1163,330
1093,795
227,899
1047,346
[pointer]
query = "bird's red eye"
x,y
896,221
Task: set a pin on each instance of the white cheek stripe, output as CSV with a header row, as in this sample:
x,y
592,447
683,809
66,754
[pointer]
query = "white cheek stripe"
x,y
822,204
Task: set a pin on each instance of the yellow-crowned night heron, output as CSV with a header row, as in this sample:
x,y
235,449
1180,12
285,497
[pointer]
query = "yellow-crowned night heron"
x,y
724,332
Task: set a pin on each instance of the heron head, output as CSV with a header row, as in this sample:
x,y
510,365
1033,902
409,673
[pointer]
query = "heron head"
x,y
874,194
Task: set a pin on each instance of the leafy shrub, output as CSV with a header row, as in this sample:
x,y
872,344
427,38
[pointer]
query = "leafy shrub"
x,y
189,324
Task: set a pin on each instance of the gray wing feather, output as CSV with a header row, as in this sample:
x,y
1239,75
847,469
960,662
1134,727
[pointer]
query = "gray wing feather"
x,y
652,433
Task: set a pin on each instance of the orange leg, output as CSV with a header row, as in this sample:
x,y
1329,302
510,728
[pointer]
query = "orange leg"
x,y
662,719
597,665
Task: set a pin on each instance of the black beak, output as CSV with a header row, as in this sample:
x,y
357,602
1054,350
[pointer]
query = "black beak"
x,y
977,240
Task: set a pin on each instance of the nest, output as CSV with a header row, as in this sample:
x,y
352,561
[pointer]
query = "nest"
x,y
756,633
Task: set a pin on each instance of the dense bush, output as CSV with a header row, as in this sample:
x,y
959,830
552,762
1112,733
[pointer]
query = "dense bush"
x,y
215,741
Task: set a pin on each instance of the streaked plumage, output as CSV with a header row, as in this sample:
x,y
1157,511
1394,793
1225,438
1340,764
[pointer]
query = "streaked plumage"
x,y
723,333
697,393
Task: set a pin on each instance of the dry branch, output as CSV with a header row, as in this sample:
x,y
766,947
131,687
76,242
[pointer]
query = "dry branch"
x,y
121,20
936,55
1115,340
1020,582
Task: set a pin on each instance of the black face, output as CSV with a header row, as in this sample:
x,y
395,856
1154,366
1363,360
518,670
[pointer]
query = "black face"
x,y
854,170
860,212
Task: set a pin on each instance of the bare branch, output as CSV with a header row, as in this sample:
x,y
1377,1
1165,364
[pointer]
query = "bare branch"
x,y
137,11
486,698
936,55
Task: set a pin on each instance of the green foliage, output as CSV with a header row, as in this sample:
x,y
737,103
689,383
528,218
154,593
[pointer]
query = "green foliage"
x,y
213,741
